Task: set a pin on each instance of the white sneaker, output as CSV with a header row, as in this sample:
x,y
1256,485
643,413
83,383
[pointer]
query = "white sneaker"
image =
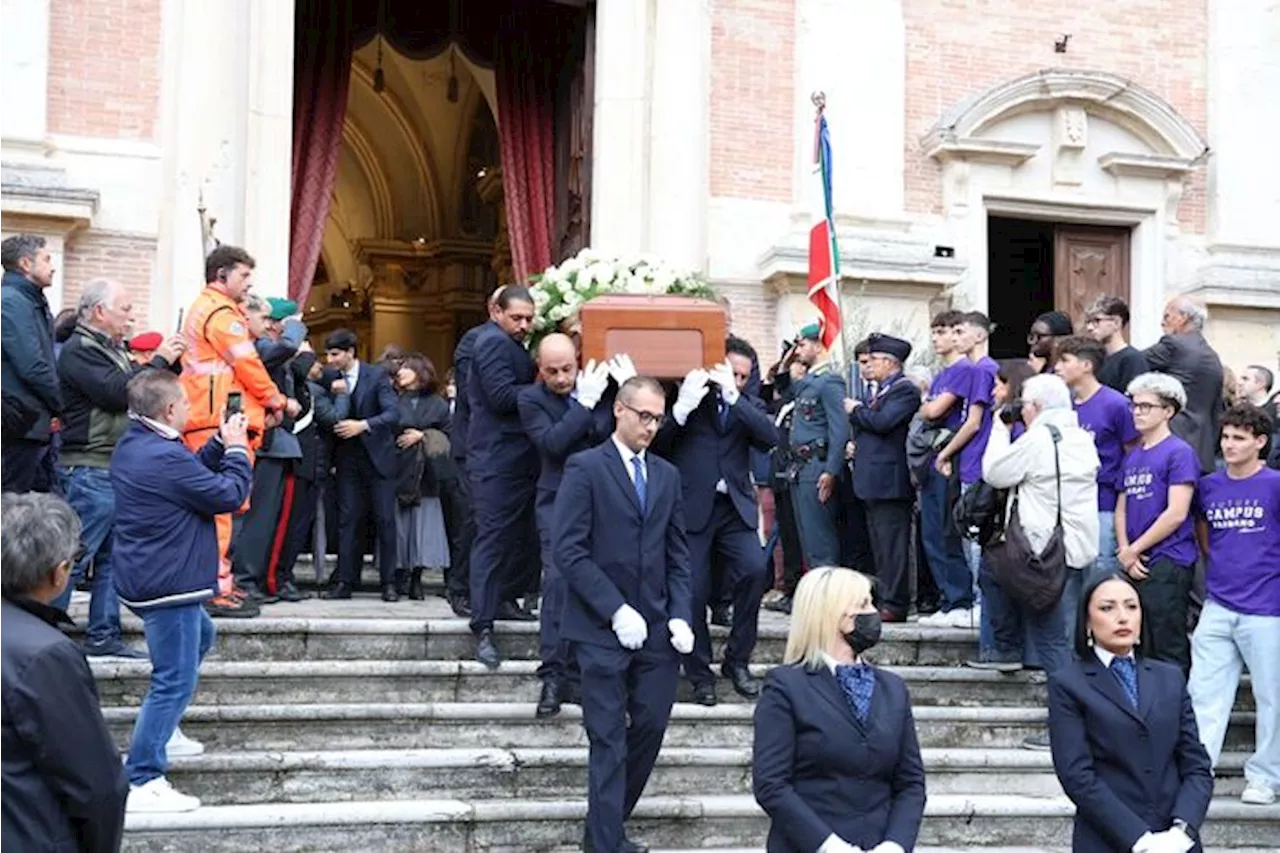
x,y
158,796
961,617
181,746
934,620
1255,794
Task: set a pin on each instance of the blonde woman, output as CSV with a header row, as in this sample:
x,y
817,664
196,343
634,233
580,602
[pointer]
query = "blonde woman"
x,y
836,762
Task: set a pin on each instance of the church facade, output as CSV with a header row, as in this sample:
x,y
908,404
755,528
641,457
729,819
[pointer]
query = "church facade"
x,y
1006,156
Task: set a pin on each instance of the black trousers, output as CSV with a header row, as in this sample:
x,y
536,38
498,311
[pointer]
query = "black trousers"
x,y
788,537
556,653
737,547
298,538
889,526
459,523
506,545
618,685
363,493
1166,597
28,466
855,539
256,533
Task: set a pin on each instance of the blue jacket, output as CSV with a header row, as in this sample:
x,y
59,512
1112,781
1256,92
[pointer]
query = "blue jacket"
x,y
497,444
462,356
817,769
166,545
28,370
704,455
375,401
1128,770
611,554
879,429
560,427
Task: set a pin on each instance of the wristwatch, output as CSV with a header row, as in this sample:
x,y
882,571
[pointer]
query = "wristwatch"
x,y
1187,829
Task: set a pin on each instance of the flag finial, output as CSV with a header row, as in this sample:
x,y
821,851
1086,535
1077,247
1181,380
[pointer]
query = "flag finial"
x,y
819,100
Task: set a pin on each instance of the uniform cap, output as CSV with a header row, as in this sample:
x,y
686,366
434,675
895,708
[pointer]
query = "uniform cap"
x,y
811,332
889,345
146,342
281,308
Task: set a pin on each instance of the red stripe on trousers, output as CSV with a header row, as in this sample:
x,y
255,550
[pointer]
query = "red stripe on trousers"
x,y
282,533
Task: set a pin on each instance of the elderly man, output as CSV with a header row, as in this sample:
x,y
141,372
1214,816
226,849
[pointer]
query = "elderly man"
x,y
64,788
95,369
1184,354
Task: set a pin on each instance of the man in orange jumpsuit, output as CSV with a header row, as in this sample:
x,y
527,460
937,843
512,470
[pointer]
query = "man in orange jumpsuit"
x,y
221,360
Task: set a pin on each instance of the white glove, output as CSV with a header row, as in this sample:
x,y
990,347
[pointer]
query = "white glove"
x,y
692,390
887,847
681,636
592,381
621,368
1172,840
836,844
722,375
630,627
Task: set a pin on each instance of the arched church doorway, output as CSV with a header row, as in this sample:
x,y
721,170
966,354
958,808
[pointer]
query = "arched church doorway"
x,y
456,159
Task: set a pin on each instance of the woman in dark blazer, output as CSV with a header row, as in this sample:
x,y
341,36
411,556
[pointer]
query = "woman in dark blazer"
x,y
836,761
1124,738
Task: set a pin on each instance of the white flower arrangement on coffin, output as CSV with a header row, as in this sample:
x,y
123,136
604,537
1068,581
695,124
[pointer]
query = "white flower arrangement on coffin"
x,y
559,292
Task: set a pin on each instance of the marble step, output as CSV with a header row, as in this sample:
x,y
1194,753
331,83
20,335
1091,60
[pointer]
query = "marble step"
x,y
499,725
531,825
226,778
238,682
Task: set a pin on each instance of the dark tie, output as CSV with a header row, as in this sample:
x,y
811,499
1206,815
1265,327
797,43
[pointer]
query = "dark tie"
x,y
1128,675
639,480
723,409
858,683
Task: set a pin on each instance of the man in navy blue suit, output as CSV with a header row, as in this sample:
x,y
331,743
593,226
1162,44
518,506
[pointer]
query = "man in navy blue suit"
x,y
712,426
568,411
502,467
880,474
619,540
365,459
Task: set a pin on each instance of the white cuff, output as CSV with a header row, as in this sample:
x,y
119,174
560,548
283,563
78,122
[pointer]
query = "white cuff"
x,y
1143,843
680,413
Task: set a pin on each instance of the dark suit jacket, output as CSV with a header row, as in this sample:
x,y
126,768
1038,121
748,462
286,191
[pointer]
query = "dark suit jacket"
x,y
818,770
496,440
462,356
880,470
1189,359
611,554
1128,772
560,427
375,401
705,455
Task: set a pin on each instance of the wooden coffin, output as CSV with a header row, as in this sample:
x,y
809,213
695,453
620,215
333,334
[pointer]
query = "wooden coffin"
x,y
666,336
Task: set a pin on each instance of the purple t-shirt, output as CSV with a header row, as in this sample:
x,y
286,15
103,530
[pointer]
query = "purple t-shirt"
x,y
982,384
953,378
1147,474
1243,569
1106,417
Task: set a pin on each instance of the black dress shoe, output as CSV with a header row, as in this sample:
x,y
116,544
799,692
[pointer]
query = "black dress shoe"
x,y
508,612
389,593
460,605
628,846
747,686
290,592
415,585
486,651
341,589
722,615
549,701
705,694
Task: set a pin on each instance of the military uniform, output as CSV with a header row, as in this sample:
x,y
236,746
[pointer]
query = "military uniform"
x,y
819,432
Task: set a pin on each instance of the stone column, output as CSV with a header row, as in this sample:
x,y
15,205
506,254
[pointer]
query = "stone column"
x,y
679,140
620,145
25,81
855,52
1244,121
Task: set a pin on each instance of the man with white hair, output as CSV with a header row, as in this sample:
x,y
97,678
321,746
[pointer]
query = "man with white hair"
x,y
1054,467
1184,354
94,369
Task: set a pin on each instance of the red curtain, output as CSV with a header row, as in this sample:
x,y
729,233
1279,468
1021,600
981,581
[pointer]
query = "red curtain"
x,y
527,62
322,68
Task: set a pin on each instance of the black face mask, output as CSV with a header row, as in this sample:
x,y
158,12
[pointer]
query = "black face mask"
x,y
865,633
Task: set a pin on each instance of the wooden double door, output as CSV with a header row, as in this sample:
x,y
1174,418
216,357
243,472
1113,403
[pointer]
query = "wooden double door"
x,y
1088,262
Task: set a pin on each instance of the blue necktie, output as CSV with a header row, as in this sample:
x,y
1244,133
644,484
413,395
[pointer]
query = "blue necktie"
x,y
639,480
1128,675
858,683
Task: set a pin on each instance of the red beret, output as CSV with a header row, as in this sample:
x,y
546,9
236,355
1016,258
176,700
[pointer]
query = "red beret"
x,y
146,342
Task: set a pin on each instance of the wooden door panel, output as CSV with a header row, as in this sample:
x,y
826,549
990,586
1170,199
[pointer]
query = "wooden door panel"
x,y
1089,262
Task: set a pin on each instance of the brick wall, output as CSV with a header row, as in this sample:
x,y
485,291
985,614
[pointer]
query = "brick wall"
x,y
126,259
958,48
752,109
104,68
753,309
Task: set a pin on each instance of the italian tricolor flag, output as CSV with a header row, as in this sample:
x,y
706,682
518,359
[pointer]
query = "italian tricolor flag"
x,y
824,256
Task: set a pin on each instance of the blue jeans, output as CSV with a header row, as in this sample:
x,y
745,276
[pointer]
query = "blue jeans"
x,y
944,550
1107,544
89,492
1017,632
178,638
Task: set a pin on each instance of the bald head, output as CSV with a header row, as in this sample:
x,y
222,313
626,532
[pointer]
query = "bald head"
x,y
1183,315
558,363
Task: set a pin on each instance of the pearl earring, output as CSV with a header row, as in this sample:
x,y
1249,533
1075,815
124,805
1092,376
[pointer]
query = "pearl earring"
x,y
1089,638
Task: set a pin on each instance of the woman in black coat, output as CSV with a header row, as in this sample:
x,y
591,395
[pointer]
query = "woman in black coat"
x,y
424,423
836,761
1124,738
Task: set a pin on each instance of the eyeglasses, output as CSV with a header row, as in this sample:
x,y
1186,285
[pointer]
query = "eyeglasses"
x,y
1146,408
646,418
80,554
1033,337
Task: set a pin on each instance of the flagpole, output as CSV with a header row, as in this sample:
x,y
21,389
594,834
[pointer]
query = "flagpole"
x,y
819,100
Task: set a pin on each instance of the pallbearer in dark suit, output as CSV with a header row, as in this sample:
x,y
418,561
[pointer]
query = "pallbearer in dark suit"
x,y
712,427
1124,738
567,412
836,761
620,542
365,460
881,478
501,465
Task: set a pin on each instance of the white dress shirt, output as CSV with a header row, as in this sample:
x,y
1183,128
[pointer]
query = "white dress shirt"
x,y
352,376
1107,657
627,455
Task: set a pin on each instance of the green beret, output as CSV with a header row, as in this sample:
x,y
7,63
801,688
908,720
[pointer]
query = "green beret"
x,y
812,332
281,308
